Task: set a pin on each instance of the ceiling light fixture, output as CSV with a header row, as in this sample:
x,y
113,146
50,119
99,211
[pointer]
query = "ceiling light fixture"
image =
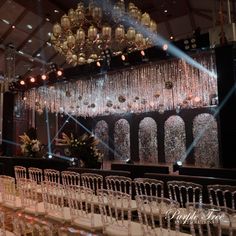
x,y
86,32
29,27
43,77
22,82
59,72
32,79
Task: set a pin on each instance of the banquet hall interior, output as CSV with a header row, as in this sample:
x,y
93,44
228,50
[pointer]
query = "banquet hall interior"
x,y
117,117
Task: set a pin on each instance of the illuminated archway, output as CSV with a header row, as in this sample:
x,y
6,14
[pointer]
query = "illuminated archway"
x,y
122,139
175,139
101,132
206,151
148,140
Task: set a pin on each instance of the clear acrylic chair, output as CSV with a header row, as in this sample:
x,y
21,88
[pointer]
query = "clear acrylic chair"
x,y
151,210
20,173
70,178
36,175
122,184
3,231
51,175
54,204
92,181
82,208
119,183
29,197
9,193
210,220
115,208
222,195
184,192
25,225
149,187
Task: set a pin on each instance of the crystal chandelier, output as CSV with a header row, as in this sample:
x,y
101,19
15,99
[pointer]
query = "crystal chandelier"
x,y
87,33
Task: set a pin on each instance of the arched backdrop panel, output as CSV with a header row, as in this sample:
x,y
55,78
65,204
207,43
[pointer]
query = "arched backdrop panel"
x,y
101,132
148,140
122,140
206,151
175,139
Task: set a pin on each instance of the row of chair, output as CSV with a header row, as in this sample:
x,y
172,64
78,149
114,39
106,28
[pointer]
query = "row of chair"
x,y
221,195
106,210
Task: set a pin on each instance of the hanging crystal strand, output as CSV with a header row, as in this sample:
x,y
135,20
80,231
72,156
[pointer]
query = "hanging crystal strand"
x,y
10,63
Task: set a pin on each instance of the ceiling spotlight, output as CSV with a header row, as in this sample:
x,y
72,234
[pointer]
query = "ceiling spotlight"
x,y
165,47
123,57
22,82
43,77
24,98
59,73
142,53
53,67
177,165
171,37
13,27
165,10
98,64
32,79
29,27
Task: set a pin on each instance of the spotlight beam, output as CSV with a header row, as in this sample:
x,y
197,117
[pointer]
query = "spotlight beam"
x,y
48,131
10,142
196,140
60,156
90,132
59,131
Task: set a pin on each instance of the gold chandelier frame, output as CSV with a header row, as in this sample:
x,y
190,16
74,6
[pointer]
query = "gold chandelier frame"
x,y
87,32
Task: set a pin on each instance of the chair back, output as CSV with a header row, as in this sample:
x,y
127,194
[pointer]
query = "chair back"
x,y
51,175
70,178
92,181
20,173
115,209
149,187
81,205
222,195
36,174
210,220
53,198
184,192
156,215
28,194
8,190
119,183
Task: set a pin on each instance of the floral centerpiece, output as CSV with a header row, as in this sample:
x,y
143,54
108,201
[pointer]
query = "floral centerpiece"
x,y
30,147
84,148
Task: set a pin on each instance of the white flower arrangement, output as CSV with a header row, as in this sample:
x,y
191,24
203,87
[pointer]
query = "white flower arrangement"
x,y
29,146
